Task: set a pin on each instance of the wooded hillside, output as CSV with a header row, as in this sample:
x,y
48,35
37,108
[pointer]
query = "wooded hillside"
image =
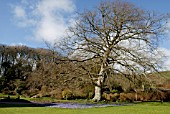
x,y
38,72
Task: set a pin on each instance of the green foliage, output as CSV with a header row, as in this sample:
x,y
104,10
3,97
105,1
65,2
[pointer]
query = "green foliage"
x,y
165,74
114,91
67,94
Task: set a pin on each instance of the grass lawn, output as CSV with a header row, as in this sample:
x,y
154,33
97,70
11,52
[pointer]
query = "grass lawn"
x,y
136,108
140,108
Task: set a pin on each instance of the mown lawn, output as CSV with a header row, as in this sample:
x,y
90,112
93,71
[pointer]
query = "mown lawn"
x,y
140,108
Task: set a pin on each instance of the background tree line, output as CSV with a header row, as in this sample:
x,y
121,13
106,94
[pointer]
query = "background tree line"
x,y
38,72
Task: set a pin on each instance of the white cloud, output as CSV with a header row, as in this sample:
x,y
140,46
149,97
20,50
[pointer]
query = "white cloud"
x,y
167,33
17,44
19,12
168,27
166,63
48,18
21,17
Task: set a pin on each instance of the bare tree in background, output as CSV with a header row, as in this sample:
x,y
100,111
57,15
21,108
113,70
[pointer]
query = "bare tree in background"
x,y
119,37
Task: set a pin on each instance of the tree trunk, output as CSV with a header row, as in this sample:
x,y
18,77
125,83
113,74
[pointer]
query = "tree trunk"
x,y
101,78
99,85
98,92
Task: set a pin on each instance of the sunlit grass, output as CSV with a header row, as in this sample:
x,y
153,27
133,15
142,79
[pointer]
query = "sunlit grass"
x,y
140,108
135,108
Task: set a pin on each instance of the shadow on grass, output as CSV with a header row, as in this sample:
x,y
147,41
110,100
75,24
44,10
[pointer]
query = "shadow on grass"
x,y
8,102
4,103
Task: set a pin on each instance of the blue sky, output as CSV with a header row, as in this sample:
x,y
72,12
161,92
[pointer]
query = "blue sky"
x,y
18,23
30,22
14,29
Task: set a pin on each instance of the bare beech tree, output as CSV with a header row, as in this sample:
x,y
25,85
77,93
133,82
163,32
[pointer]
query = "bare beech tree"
x,y
118,36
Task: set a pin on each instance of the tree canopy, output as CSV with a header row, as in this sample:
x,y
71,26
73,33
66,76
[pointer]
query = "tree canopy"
x,y
119,37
